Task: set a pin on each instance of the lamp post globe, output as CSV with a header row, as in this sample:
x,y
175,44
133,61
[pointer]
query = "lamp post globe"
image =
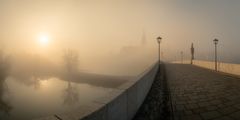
x,y
159,40
215,41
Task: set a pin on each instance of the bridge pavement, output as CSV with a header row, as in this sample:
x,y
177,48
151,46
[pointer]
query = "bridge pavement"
x,y
202,94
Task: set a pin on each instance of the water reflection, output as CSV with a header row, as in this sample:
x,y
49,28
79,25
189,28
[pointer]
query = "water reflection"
x,y
70,95
30,78
35,89
53,96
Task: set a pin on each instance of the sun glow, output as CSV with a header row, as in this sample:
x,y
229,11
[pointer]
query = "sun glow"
x,y
43,40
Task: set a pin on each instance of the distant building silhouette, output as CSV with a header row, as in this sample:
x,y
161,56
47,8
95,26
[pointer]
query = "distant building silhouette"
x,y
134,49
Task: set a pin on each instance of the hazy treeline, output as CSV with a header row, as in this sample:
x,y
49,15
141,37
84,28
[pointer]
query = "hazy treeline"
x,y
29,69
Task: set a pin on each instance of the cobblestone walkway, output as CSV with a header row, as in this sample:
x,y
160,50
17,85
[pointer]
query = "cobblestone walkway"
x,y
201,94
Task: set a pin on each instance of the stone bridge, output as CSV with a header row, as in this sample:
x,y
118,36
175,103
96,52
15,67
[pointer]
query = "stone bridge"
x,y
169,92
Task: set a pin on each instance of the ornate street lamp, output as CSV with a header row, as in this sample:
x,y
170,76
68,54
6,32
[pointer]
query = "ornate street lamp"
x,y
159,41
215,41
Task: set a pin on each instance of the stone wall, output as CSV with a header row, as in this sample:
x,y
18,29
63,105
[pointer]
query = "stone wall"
x,y
222,67
229,68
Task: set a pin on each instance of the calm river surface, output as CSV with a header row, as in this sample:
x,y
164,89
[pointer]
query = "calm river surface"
x,y
42,97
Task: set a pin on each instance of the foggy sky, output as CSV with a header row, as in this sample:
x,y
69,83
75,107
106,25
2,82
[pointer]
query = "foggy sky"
x,y
102,27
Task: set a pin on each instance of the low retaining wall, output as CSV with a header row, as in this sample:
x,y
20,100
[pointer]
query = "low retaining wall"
x,y
222,67
229,68
121,103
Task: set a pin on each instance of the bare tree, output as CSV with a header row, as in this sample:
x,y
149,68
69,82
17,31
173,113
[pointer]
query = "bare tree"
x,y
70,59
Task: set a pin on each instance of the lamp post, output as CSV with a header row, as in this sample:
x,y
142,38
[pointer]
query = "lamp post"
x,y
159,41
181,57
215,41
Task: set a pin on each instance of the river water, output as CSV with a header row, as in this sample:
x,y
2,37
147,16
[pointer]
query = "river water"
x,y
25,100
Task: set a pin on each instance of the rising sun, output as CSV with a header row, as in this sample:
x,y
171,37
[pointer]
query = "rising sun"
x,y
43,40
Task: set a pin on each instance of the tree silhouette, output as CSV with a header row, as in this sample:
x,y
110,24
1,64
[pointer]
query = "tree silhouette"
x,y
70,59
